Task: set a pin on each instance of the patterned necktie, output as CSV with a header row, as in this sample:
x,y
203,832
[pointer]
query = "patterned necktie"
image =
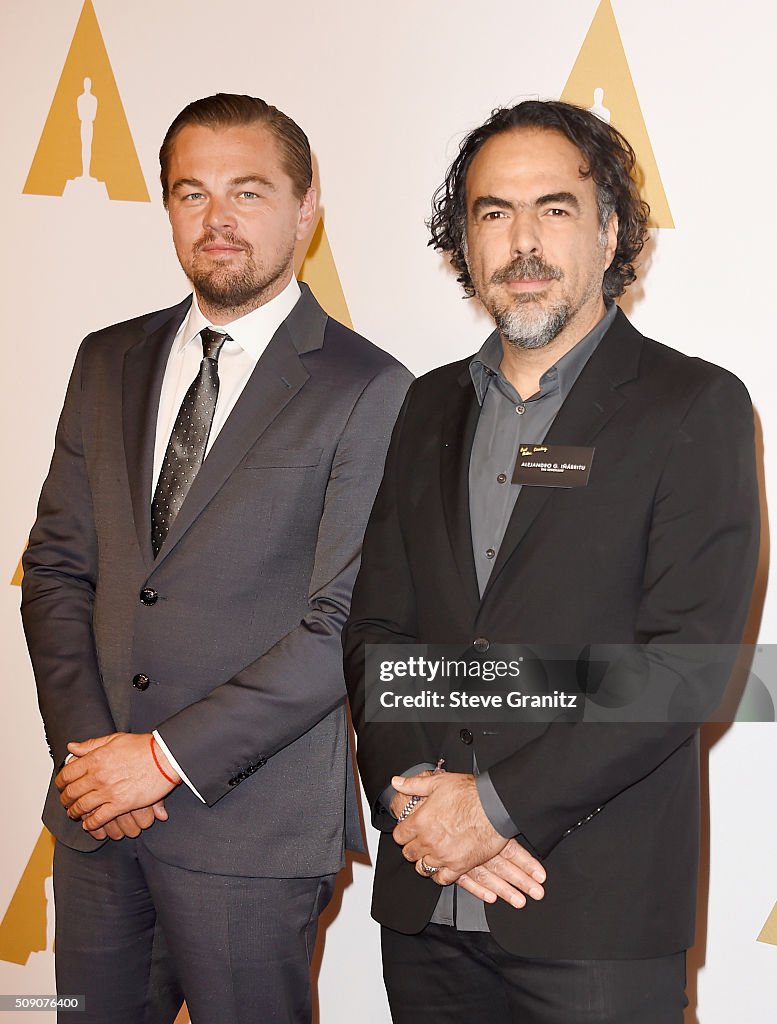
x,y
188,441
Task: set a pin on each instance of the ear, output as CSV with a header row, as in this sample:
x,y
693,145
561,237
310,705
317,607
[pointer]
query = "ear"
x,y
610,239
307,214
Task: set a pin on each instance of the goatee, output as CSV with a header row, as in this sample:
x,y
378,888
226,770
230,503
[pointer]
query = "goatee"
x,y
523,323
226,288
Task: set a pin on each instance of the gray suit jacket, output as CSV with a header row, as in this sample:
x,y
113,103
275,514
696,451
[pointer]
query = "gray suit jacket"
x,y
241,642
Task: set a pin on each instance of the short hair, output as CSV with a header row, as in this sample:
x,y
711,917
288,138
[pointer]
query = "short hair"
x,y
229,110
609,160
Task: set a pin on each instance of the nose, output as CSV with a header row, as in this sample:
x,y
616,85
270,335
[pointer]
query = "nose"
x,y
218,215
525,236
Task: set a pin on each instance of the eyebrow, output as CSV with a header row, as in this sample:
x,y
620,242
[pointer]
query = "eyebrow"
x,y
566,198
245,179
491,202
254,179
496,202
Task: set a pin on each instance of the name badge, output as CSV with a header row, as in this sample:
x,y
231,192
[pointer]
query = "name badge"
x,y
554,465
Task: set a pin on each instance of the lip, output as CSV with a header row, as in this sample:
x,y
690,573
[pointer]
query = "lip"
x,y
221,248
529,284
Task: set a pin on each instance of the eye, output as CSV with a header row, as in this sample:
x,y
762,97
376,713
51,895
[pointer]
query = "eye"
x,y
247,195
494,215
557,211
190,196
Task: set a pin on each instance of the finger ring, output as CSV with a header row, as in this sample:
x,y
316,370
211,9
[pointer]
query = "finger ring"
x,y
427,869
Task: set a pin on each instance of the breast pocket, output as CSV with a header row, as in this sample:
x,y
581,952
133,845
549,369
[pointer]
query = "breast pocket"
x,y
282,458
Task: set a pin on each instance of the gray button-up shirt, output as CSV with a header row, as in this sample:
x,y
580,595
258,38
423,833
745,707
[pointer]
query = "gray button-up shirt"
x,y
506,421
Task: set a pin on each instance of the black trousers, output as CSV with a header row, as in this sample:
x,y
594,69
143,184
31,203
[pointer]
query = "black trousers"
x,y
443,976
136,936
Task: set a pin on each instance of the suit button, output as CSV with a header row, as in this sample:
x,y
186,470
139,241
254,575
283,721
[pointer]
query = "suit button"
x,y
148,596
141,681
481,645
465,736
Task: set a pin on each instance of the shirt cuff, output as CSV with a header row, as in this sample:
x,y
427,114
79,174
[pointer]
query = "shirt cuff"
x,y
494,809
388,794
165,750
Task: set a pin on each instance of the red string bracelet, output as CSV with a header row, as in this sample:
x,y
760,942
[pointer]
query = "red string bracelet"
x,y
159,766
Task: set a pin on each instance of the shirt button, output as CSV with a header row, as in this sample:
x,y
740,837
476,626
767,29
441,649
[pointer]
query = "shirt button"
x,y
465,736
520,409
490,552
502,478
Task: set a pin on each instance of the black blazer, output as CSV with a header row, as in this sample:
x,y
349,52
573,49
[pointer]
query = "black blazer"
x,y
660,547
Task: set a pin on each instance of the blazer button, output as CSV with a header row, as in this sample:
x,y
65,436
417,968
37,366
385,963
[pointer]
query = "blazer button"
x,y
481,645
141,681
148,596
465,736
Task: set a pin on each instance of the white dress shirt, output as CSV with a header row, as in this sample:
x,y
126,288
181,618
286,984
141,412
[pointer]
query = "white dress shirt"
x,y
250,336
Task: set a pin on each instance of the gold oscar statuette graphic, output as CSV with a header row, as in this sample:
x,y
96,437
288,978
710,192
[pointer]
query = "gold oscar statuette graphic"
x,y
86,147
602,82
28,924
319,271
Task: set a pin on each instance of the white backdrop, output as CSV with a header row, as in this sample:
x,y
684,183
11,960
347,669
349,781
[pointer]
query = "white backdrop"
x,y
385,93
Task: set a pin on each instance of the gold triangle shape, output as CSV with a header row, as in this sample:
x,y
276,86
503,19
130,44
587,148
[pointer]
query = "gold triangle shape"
x,y
16,579
23,930
601,81
769,930
319,271
58,158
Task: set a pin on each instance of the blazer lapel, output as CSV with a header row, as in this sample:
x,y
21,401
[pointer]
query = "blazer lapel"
x,y
143,371
459,424
277,377
591,403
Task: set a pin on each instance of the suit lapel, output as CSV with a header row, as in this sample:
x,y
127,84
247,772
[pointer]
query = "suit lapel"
x,y
591,403
459,424
143,371
277,377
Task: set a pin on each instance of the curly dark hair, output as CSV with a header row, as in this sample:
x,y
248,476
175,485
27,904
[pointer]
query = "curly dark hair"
x,y
609,160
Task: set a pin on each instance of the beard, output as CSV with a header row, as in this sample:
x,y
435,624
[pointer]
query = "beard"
x,y
524,323
532,328
227,288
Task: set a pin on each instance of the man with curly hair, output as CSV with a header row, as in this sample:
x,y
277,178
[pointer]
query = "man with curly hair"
x,y
643,536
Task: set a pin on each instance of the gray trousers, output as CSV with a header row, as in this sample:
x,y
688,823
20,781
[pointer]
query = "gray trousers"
x,y
137,936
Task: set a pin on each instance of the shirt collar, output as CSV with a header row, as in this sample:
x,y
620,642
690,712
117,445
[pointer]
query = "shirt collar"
x,y
484,367
251,332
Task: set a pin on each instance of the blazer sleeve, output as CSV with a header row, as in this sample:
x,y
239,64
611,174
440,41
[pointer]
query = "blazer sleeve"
x,y
702,552
385,583
300,679
60,566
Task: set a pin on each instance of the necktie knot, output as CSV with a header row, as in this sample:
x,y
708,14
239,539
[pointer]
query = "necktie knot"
x,y
212,342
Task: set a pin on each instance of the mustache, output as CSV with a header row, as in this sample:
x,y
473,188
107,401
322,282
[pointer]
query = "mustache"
x,y
224,236
527,268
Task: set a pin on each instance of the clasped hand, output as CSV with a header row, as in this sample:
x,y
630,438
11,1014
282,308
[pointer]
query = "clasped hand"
x,y
450,830
113,786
